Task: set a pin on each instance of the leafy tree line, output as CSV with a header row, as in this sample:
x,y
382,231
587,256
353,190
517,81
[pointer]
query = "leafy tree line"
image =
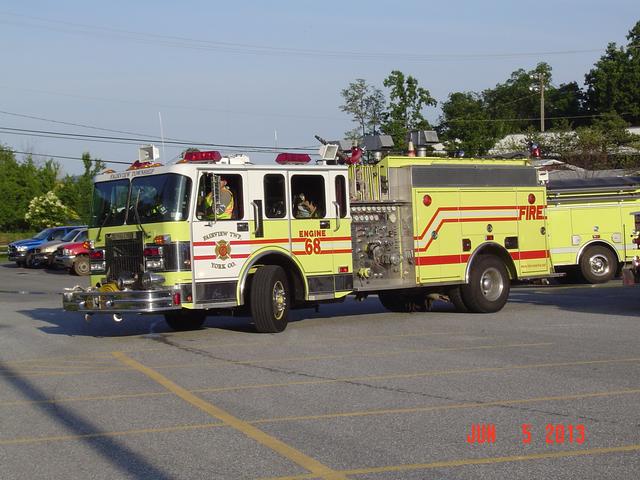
x,y
33,196
473,121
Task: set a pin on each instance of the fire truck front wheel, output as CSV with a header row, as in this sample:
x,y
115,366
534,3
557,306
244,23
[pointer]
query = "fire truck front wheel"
x,y
488,287
270,299
597,264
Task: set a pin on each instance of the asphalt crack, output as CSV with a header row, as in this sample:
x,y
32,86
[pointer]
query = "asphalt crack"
x,y
157,337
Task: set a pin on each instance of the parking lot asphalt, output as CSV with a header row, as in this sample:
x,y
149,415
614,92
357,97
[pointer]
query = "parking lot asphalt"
x,y
547,388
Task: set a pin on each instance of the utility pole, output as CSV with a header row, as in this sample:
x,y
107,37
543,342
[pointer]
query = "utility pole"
x,y
542,102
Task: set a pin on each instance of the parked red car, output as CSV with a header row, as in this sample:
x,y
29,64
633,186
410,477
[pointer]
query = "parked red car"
x,y
74,257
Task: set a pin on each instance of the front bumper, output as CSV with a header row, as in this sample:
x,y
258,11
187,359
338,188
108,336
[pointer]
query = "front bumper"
x,y
65,261
16,255
42,258
92,300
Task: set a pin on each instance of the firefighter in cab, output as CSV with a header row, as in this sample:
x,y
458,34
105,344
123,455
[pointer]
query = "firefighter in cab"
x,y
224,208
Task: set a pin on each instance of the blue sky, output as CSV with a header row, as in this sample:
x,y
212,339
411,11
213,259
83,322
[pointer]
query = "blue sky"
x,y
233,73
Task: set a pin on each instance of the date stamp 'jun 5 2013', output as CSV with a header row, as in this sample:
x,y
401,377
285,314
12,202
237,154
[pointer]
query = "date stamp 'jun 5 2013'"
x,y
552,434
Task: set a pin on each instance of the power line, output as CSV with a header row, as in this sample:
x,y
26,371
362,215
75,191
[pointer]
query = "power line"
x,y
460,119
64,157
60,122
126,140
252,49
177,107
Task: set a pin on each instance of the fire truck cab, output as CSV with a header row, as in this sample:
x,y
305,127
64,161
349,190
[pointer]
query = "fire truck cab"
x,y
213,232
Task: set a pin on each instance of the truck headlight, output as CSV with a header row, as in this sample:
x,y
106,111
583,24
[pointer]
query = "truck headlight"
x,y
21,248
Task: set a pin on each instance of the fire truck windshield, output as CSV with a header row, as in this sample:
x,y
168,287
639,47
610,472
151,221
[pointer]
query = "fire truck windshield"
x,y
148,199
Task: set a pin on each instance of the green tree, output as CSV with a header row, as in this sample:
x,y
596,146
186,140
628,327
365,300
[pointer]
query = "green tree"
x,y
48,211
20,181
464,124
407,100
365,103
76,191
613,85
515,104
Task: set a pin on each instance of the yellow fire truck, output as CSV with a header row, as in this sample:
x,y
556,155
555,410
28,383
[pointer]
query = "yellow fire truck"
x,y
214,232
591,228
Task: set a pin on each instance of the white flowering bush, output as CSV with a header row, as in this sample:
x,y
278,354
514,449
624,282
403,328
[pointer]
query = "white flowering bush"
x,y
48,211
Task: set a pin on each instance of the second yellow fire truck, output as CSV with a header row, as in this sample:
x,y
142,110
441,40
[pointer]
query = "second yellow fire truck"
x,y
214,232
591,226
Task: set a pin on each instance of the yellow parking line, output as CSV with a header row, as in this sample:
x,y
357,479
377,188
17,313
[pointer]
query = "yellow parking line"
x,y
28,440
453,406
106,355
91,398
306,358
365,378
59,438
221,363
475,461
312,465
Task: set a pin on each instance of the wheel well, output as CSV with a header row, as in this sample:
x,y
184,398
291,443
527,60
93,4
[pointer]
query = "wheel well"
x,y
597,244
294,276
498,251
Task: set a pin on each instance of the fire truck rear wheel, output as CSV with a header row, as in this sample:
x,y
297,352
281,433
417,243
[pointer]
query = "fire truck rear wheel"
x,y
183,320
270,299
597,264
488,287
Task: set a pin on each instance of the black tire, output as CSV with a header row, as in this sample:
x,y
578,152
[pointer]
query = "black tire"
x,y
402,303
269,299
28,262
183,320
598,264
455,295
488,287
82,266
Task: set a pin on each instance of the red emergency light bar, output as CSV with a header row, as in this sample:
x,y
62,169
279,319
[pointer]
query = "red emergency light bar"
x,y
137,165
210,156
292,158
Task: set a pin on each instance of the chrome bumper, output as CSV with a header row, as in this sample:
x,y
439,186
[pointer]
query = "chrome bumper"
x,y
124,301
65,261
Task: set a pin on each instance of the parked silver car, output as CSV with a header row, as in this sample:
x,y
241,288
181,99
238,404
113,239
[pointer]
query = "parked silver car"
x,y
42,255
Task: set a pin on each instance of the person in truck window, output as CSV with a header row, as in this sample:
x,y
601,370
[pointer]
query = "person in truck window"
x,y
305,207
224,209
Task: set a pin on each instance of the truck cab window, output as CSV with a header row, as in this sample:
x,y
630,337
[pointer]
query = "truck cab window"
x,y
220,197
308,196
275,203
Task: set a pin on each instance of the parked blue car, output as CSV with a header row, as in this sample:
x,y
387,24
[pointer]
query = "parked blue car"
x,y
18,249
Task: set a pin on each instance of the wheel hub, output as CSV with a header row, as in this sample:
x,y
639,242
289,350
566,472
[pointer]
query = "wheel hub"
x,y
599,265
279,300
491,284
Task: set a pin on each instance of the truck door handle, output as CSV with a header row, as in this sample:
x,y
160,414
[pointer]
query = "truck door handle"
x,y
257,218
324,224
337,207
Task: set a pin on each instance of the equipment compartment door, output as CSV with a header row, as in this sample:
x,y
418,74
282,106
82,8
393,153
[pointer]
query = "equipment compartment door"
x,y
437,235
532,233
